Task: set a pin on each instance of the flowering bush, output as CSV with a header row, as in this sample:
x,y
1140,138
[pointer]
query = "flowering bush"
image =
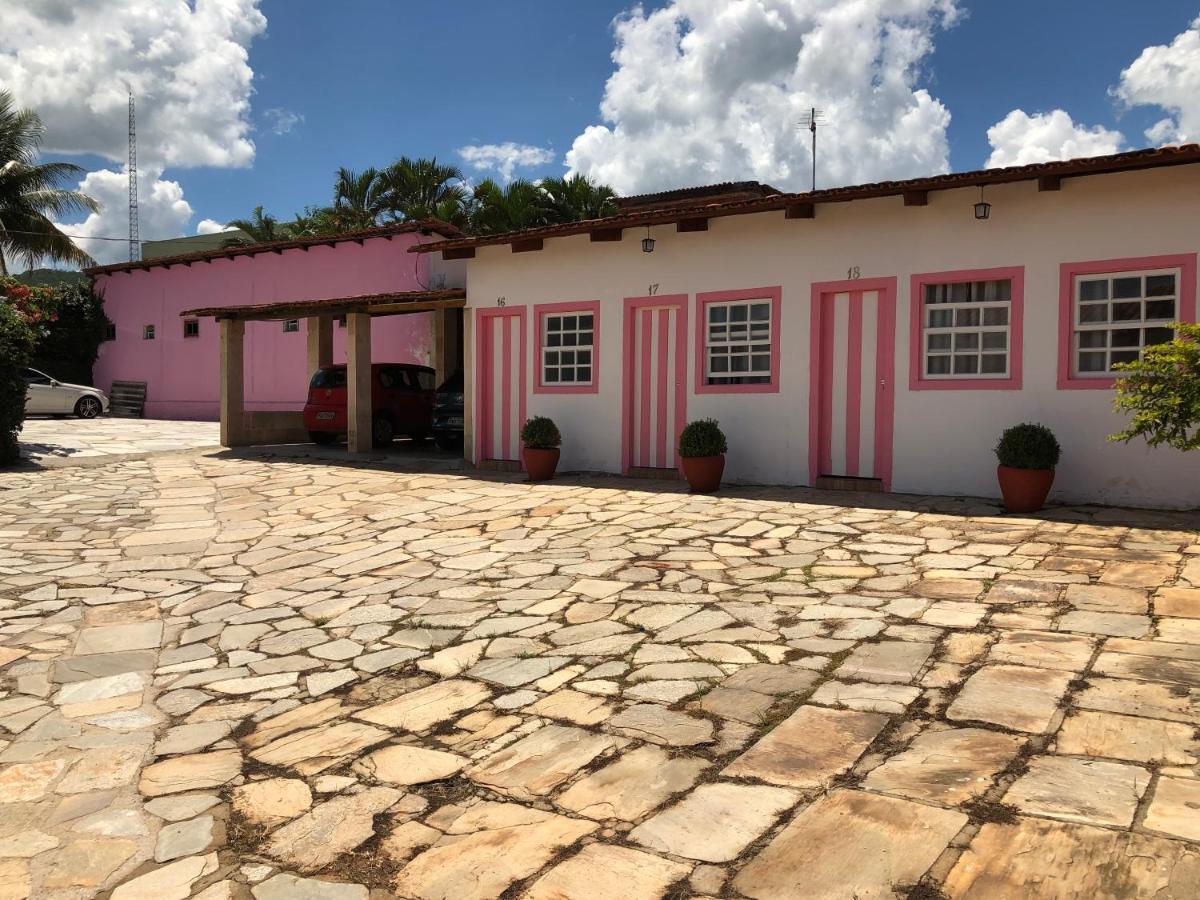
x,y
1161,391
16,346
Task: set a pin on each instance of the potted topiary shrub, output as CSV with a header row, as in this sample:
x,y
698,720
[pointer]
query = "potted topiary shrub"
x,y
702,449
540,441
1028,454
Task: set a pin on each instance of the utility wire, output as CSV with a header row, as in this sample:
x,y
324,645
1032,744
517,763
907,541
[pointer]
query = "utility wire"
x,y
77,237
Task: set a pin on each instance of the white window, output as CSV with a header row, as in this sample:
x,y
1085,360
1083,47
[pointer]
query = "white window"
x,y
1118,315
567,345
147,332
737,342
967,329
191,328
291,325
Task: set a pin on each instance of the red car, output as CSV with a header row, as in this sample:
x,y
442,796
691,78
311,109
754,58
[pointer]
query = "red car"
x,y
401,403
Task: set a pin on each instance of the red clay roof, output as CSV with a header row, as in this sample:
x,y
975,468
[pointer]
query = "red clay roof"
x,y
726,190
1097,165
368,303
433,226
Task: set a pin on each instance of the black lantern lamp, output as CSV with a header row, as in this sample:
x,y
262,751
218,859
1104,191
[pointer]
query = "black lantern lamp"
x,y
647,242
983,209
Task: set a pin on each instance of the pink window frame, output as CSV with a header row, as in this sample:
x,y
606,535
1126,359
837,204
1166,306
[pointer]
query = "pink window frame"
x,y
540,311
1068,272
775,295
820,371
917,381
631,307
483,358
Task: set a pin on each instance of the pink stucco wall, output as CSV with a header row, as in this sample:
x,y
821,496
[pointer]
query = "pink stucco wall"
x,y
182,374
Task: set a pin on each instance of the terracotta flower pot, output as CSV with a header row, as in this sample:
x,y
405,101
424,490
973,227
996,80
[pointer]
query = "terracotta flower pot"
x,y
540,464
1024,490
703,473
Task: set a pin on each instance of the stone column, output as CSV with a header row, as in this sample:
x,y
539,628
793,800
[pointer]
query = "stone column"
x,y
468,362
358,382
233,374
320,342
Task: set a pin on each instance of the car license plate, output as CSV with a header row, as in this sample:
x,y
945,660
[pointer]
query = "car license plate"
x,y
454,421
325,416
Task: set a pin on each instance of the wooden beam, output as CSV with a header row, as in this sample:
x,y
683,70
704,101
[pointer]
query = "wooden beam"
x,y
606,234
916,198
800,211
526,245
358,383
1049,182
459,253
686,225
232,377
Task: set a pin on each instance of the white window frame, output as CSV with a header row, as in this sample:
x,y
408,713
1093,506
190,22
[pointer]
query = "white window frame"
x,y
558,365
191,322
291,326
961,336
755,346
148,332
1109,325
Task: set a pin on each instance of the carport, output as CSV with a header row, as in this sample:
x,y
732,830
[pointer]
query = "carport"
x,y
243,428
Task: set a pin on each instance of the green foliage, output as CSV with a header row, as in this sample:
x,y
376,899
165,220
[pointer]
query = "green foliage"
x,y
702,438
540,433
1162,392
31,196
68,324
1028,446
16,347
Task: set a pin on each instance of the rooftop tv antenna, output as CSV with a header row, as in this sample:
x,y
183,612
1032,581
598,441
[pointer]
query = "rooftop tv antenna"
x,y
811,120
135,245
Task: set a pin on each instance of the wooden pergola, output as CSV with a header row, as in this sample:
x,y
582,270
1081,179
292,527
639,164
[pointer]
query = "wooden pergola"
x,y
240,430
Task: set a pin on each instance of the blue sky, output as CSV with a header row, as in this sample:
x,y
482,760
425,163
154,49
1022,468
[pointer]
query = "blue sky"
x,y
913,90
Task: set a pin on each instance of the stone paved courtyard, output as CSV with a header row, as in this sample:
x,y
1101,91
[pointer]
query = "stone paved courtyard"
x,y
227,678
54,441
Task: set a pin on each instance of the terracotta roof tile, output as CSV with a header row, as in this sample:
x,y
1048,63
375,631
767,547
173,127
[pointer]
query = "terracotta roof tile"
x,y
293,309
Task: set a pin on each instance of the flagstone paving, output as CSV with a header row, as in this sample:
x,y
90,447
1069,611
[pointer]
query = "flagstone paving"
x,y
224,678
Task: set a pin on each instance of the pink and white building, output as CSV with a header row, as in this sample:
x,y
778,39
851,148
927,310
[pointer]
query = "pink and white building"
x,y
178,357
883,332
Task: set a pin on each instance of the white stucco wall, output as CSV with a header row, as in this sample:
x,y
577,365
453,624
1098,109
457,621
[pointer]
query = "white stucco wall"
x,y
943,439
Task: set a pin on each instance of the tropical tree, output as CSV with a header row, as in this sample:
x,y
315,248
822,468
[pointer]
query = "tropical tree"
x,y
261,226
519,204
425,189
1161,392
31,193
359,199
576,198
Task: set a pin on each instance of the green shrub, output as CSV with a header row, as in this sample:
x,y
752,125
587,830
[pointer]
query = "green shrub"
x,y
1162,391
540,433
1028,446
16,346
702,438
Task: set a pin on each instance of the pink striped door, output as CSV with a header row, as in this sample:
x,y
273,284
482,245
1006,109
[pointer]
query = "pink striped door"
x,y
852,373
654,399
500,382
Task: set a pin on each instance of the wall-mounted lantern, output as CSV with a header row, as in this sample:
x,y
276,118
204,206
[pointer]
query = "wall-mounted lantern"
x,y
983,209
647,242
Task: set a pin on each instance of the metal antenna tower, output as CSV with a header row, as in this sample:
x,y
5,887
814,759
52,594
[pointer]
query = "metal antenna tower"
x,y
811,120
135,244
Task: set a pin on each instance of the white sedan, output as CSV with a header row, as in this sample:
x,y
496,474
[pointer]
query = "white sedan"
x,y
49,396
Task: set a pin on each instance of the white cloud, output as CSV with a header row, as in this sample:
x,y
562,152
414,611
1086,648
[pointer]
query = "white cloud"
x,y
186,62
1020,139
505,158
282,121
162,212
212,226
714,90
1167,76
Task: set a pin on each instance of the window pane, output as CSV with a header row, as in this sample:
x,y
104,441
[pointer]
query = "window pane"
x,y
966,317
941,318
568,357
716,313
739,363
585,322
760,362
935,293
552,357
1159,335
1160,309
1092,362
1093,290
583,357
569,323
1093,312
1126,312
1127,287
760,312
584,374
738,313
1126,337
585,338
718,364
995,315
1160,285
1124,356
995,340
939,342
554,340
938,365
569,338
966,365
994,363
968,341
1093,338
554,323
961,292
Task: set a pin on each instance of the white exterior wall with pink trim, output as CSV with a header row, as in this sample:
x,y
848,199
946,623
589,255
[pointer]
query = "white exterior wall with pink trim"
x,y
182,374
943,439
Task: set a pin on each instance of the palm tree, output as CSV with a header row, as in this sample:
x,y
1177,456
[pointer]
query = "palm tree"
x,y
261,226
577,197
30,193
424,189
359,199
519,204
